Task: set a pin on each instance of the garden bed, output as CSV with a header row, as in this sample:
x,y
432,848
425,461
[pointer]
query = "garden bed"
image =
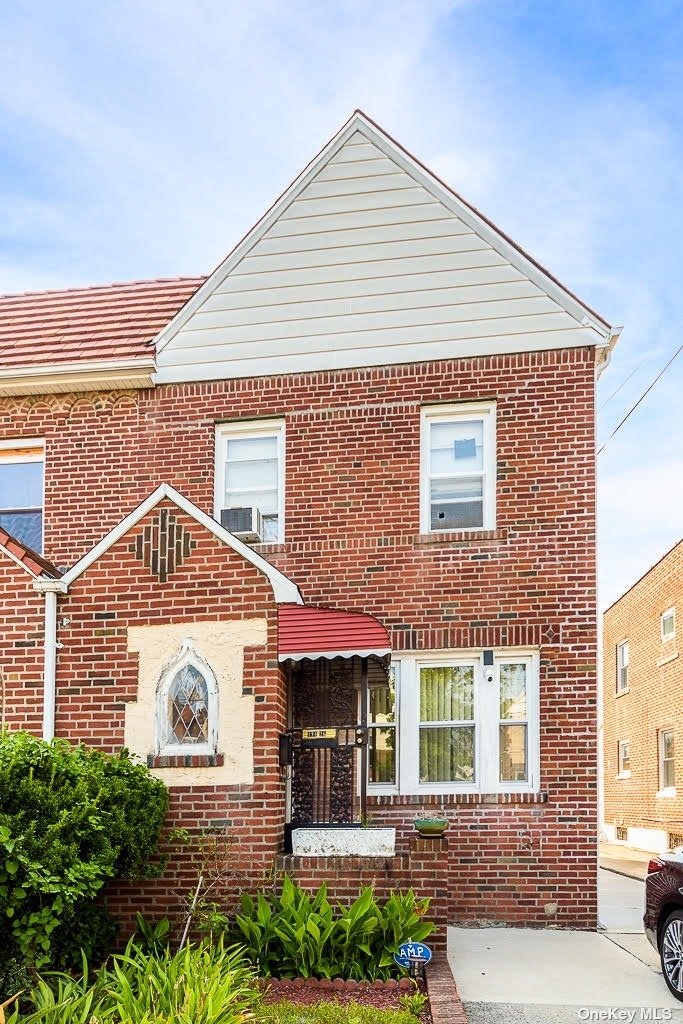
x,y
384,995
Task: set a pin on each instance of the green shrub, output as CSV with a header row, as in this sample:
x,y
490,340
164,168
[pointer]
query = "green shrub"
x,y
198,985
71,820
294,934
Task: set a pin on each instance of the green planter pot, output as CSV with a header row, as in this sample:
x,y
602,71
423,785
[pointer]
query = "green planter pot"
x,y
431,826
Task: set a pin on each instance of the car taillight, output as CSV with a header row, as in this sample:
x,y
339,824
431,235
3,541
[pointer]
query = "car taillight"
x,y
655,865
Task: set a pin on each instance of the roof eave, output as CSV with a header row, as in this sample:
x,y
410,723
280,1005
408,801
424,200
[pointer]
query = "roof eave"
x,y
91,375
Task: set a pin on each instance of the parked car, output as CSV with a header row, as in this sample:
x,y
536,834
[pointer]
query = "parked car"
x,y
663,919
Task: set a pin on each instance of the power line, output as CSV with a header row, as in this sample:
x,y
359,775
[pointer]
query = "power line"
x,y
644,394
624,381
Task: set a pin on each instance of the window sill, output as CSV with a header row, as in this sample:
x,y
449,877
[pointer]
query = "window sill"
x,y
666,793
269,549
459,537
185,760
624,775
443,799
667,659
620,693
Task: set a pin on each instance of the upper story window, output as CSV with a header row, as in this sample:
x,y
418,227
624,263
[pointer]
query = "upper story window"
x,y
622,667
21,491
667,624
458,468
456,724
250,499
187,706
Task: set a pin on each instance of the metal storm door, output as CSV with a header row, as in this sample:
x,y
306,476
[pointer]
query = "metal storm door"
x,y
329,742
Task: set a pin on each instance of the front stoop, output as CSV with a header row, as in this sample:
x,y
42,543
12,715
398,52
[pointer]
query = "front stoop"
x,y
444,1000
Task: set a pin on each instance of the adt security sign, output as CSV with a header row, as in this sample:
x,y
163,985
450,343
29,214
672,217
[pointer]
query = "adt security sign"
x,y
412,953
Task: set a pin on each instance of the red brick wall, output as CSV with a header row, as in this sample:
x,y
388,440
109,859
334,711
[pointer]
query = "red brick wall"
x,y
97,675
22,626
654,700
352,541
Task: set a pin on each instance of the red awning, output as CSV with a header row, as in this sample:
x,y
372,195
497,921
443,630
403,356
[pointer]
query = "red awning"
x,y
324,633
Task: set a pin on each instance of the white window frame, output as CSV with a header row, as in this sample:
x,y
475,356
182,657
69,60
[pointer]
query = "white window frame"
x,y
186,656
486,722
670,613
665,790
486,412
386,788
622,683
25,444
623,773
252,429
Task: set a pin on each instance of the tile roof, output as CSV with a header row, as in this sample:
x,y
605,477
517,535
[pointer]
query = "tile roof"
x,y
34,562
305,632
113,321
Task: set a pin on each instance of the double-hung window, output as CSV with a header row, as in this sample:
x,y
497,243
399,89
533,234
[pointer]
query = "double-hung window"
x,y
250,472
458,467
667,763
21,491
667,624
624,759
457,724
622,667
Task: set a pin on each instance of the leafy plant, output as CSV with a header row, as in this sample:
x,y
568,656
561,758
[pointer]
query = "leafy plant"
x,y
294,934
71,819
413,1002
198,985
154,937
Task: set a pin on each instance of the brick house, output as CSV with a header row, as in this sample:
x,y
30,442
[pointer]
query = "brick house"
x,y
643,710
317,541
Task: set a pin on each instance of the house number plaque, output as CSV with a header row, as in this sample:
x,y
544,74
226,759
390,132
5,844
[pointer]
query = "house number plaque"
x,y
319,738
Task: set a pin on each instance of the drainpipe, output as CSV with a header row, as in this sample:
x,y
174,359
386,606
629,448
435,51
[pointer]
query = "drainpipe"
x,y
50,665
50,588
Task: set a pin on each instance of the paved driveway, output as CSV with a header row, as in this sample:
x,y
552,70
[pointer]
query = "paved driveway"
x,y
532,976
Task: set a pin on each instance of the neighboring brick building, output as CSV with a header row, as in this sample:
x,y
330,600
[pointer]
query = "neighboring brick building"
x,y
400,403
643,710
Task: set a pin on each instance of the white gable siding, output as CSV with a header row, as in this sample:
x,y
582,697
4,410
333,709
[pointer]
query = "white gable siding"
x,y
364,267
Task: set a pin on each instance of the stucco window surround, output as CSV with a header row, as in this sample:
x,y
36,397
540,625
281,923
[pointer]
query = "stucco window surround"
x,y
250,472
458,467
459,725
186,720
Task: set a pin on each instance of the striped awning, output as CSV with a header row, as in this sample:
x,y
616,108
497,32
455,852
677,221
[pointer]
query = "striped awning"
x,y
306,632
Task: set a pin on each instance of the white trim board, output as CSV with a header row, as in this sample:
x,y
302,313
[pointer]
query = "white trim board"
x,y
284,590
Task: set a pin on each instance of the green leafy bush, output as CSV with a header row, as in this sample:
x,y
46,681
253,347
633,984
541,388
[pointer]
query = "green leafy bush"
x,y
198,985
294,934
71,820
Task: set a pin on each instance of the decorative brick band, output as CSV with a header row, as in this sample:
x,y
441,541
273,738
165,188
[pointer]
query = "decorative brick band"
x,y
459,537
480,635
185,761
448,799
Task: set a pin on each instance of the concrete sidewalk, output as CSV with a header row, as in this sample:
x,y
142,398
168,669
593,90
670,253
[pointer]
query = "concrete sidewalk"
x,y
537,976
624,861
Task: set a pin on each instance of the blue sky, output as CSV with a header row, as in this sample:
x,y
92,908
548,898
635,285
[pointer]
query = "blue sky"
x,y
142,139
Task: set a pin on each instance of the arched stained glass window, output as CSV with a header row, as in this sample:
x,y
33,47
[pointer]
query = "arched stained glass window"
x,y
187,706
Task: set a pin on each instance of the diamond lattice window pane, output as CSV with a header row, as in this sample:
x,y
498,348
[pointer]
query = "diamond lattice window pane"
x,y
188,700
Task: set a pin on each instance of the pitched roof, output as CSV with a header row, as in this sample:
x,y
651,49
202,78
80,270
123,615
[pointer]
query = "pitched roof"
x,y
113,321
27,557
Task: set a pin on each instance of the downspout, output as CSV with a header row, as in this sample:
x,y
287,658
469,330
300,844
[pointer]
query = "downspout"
x,y
50,588
50,665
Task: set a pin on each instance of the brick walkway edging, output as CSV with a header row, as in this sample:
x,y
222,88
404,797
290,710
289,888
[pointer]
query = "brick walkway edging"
x,y
444,1000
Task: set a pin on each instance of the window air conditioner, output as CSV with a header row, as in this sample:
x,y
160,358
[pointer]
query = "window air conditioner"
x,y
244,523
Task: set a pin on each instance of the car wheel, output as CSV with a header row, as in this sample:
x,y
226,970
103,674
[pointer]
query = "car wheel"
x,y
671,953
